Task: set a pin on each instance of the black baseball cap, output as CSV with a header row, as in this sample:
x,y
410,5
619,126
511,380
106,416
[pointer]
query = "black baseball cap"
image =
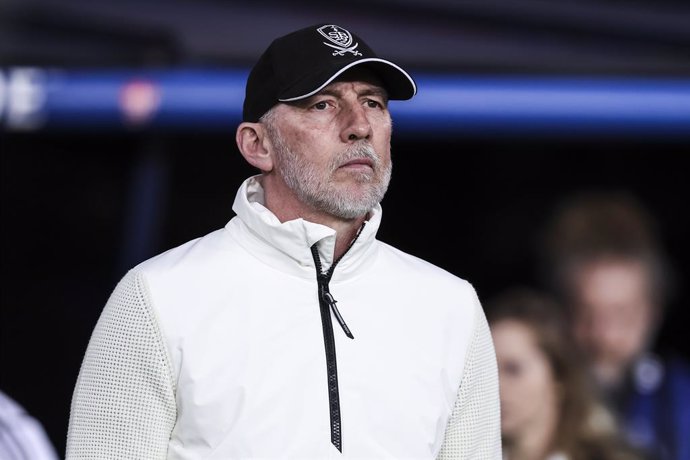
x,y
301,63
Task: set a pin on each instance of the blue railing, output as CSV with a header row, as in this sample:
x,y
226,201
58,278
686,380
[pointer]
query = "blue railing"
x,y
211,99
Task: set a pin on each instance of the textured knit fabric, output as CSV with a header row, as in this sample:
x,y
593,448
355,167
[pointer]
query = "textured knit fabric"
x,y
125,406
215,350
22,436
475,423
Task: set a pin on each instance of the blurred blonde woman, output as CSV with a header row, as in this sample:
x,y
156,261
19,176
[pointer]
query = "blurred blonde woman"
x,y
548,411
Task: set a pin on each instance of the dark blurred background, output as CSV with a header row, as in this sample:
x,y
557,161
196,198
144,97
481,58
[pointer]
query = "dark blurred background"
x,y
81,202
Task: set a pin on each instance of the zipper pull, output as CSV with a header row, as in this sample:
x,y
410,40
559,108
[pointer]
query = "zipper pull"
x,y
328,298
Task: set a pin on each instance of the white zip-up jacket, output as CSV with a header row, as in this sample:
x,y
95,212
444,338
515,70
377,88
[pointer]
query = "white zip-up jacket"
x,y
229,347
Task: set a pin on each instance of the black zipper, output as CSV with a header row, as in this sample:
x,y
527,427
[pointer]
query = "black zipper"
x,y
327,304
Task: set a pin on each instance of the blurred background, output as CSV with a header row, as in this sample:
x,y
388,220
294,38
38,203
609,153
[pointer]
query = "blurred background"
x,y
117,142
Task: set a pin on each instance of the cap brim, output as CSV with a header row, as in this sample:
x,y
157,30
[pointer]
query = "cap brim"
x,y
398,84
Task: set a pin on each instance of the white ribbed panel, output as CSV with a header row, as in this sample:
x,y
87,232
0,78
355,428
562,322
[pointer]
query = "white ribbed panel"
x,y
123,405
473,431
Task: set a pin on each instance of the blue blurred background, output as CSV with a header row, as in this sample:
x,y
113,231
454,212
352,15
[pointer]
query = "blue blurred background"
x,y
117,142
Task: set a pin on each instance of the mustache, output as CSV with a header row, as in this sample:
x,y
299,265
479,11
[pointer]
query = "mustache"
x,y
359,151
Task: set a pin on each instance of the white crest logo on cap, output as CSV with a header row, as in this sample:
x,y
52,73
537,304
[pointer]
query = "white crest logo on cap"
x,y
340,39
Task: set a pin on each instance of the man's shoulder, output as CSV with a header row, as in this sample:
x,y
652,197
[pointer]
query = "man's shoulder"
x,y
195,254
415,262
423,270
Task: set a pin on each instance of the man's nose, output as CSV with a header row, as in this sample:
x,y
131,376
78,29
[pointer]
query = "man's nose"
x,y
356,124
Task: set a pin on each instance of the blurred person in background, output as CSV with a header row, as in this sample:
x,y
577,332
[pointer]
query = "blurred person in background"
x,y
548,409
22,436
605,261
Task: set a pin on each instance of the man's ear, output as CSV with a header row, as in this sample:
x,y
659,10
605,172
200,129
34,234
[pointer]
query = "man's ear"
x,y
253,145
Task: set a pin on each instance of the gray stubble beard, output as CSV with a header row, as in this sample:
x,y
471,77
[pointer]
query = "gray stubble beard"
x,y
318,190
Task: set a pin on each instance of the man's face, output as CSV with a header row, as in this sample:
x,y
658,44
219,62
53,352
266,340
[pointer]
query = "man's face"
x,y
613,314
332,150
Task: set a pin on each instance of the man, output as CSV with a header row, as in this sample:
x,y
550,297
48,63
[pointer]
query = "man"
x,y
226,347
610,270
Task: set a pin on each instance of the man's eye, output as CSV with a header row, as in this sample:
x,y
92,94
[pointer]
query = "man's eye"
x,y
322,105
373,104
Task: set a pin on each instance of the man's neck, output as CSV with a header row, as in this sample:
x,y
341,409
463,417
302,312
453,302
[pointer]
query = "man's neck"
x,y
285,206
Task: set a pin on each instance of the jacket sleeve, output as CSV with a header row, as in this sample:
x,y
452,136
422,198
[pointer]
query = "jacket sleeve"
x,y
123,406
474,428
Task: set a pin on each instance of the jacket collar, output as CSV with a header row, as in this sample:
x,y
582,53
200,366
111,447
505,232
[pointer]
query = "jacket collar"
x,y
294,238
